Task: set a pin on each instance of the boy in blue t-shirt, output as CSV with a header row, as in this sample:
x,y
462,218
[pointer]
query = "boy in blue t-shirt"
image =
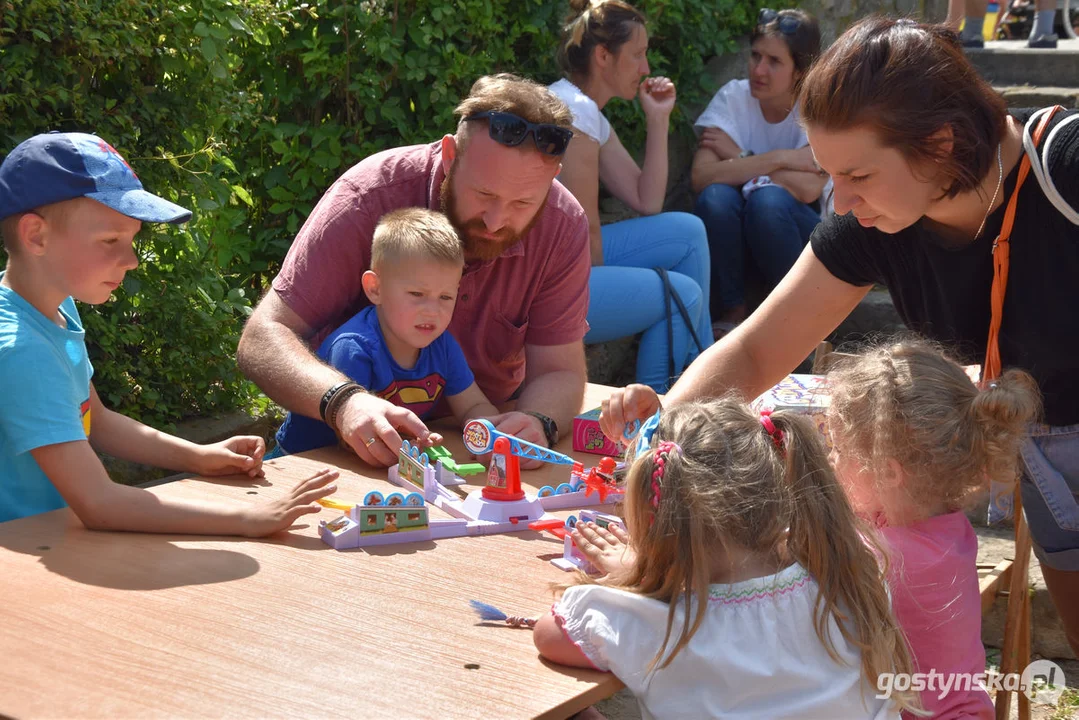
x,y
398,348
70,207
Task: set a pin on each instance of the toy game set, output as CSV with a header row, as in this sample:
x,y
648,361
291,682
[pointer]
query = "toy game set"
x,y
431,477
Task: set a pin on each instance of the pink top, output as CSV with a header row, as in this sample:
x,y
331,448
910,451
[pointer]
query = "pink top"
x,y
937,603
534,293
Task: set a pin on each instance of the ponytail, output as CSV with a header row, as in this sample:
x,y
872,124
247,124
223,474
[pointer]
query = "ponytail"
x,y
590,23
841,554
999,418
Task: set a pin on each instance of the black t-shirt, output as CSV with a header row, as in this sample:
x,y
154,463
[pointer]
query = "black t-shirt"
x,y
942,292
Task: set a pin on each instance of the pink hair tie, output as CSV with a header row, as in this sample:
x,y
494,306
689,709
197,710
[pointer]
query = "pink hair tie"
x,y
770,427
659,459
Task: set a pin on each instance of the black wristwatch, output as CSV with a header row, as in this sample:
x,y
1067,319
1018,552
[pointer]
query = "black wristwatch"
x,y
550,427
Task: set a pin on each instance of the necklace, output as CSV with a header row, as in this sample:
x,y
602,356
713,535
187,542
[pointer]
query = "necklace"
x,y
1000,181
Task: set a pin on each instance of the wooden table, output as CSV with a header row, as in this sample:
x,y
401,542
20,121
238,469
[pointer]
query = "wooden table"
x,y
121,625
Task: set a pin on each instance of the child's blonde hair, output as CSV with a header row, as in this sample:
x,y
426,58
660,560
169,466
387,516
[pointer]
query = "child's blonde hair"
x,y
730,484
908,402
415,234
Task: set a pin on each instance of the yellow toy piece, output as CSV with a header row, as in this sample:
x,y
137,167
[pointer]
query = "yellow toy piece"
x,y
335,504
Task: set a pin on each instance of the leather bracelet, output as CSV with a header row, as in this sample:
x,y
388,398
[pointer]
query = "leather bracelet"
x,y
338,400
328,396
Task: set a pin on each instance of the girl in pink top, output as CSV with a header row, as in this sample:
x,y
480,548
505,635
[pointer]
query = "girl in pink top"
x,y
914,440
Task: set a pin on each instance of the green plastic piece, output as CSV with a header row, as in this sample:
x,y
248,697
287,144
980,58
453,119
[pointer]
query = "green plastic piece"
x,y
437,452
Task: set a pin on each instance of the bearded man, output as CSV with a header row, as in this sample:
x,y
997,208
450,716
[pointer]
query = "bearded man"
x,y
523,298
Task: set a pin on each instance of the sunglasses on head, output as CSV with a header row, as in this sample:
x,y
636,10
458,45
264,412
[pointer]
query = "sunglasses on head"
x,y
510,130
788,24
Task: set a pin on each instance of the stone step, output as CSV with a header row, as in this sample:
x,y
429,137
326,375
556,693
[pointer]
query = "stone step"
x,y
1020,96
1049,639
1011,62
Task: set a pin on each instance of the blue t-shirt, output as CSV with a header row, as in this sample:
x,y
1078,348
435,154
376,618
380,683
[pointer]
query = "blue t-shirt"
x,y
45,390
358,349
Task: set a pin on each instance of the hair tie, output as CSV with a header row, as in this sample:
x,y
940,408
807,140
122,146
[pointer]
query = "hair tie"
x,y
770,427
659,459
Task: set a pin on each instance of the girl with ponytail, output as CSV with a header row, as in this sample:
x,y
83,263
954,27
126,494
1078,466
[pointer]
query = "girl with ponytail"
x,y
914,440
745,586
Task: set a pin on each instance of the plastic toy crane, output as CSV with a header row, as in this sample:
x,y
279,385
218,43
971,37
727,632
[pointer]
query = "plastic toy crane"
x,y
504,473
500,506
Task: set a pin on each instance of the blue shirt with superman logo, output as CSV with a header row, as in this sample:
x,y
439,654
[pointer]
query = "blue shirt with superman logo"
x,y
357,349
44,399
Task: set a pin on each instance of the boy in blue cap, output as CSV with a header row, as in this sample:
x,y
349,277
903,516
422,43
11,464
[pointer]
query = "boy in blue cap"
x,y
70,207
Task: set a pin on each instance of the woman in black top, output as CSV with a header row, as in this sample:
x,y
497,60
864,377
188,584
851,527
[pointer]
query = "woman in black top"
x,y
924,155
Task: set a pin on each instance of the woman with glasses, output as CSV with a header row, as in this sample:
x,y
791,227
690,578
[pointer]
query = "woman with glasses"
x,y
754,173
603,55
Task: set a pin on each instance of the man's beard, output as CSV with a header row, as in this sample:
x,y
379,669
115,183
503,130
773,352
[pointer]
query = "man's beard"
x,y
473,244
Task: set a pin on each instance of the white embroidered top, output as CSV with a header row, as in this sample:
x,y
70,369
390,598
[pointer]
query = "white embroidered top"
x,y
586,113
756,654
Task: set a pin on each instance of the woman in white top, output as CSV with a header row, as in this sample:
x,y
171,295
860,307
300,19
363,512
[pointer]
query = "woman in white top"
x,y
603,54
754,171
742,587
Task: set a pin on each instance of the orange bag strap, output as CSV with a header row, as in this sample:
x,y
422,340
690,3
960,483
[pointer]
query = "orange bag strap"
x,y
1001,256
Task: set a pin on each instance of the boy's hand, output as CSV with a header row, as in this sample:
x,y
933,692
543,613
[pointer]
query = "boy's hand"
x,y
606,548
634,402
266,519
239,454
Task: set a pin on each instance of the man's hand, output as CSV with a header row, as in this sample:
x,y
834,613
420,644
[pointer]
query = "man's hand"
x,y
523,427
606,548
240,454
373,427
624,406
657,96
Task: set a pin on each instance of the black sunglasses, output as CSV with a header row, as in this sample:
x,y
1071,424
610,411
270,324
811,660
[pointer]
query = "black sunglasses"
x,y
788,24
510,130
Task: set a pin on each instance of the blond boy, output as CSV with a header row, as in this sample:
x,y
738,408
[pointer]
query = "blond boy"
x,y
398,347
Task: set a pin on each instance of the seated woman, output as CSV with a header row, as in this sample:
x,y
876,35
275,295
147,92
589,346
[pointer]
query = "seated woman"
x,y
603,54
754,171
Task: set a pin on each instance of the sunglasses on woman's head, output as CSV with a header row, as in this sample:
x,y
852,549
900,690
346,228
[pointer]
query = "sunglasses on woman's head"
x,y
788,24
510,130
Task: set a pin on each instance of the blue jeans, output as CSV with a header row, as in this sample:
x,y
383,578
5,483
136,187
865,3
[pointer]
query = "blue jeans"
x,y
1050,488
627,295
772,225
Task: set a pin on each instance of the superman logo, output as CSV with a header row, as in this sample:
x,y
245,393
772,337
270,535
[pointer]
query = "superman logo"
x,y
418,395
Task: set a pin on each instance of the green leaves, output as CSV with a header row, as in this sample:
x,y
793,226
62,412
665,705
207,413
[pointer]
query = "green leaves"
x,y
247,111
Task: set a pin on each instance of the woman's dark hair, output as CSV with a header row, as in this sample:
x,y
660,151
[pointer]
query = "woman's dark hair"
x,y
803,39
609,23
908,82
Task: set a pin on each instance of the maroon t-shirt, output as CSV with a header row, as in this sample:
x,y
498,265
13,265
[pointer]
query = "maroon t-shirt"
x,y
534,293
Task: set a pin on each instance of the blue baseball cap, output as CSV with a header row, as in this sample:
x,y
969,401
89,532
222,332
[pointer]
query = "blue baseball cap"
x,y
53,167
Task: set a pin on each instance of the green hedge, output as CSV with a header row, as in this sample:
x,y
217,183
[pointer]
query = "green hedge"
x,y
246,111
